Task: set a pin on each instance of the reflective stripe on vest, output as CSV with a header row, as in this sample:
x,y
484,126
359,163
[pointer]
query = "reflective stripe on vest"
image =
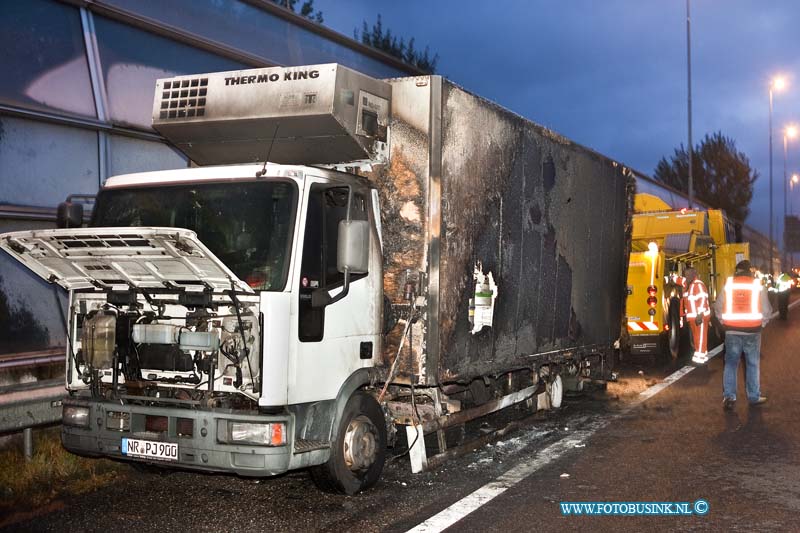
x,y
698,300
742,303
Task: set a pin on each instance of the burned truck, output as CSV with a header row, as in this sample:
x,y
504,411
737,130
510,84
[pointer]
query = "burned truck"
x,y
350,263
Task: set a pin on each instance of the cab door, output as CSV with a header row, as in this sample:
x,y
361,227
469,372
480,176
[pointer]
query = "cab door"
x,y
336,340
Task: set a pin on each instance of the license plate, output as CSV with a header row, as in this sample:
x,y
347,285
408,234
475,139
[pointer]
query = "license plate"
x,y
164,451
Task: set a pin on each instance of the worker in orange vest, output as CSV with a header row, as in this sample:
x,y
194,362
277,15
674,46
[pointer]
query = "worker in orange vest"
x,y
744,310
698,314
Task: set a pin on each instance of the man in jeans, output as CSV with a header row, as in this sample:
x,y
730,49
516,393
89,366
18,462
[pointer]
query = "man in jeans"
x,y
744,310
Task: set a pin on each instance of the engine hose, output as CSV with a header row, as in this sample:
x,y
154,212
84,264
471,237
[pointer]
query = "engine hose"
x,y
235,301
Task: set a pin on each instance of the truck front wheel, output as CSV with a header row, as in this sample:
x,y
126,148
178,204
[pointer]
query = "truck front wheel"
x,y
358,450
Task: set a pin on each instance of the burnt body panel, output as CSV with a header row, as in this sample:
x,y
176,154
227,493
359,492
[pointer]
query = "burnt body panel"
x,y
404,187
471,186
547,218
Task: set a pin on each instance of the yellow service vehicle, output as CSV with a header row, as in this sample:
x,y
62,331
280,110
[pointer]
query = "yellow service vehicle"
x,y
664,242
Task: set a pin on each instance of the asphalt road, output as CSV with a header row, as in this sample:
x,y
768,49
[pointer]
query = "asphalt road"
x,y
677,446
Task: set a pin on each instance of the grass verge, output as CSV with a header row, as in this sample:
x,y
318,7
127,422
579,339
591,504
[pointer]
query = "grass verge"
x,y
52,472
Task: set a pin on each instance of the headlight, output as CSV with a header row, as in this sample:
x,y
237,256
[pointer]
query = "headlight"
x,y
256,433
75,415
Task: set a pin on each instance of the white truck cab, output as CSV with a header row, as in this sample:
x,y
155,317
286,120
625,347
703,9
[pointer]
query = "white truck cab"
x,y
218,289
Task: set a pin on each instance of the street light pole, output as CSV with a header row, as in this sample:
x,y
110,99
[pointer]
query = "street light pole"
x,y
689,100
795,179
785,137
789,132
776,83
771,240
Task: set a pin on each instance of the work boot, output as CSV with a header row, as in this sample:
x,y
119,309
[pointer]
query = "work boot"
x,y
761,399
728,403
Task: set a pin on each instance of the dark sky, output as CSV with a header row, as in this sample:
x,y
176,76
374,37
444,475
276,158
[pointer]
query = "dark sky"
x,y
611,74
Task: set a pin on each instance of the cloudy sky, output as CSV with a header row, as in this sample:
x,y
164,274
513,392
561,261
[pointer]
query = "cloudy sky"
x,y
611,74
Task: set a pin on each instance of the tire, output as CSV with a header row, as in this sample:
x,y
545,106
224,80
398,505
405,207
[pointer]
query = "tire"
x,y
358,451
673,316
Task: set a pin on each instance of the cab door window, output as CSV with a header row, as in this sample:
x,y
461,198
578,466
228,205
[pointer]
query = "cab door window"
x,y
327,206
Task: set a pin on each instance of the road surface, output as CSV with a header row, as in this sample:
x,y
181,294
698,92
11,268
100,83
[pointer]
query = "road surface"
x,y
678,445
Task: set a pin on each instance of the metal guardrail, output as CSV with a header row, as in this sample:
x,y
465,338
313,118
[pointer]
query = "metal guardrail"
x,y
29,405
39,357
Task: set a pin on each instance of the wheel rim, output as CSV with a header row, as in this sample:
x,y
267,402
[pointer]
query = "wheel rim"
x,y
360,444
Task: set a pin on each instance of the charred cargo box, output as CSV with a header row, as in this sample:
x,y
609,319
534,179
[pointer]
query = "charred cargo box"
x,y
510,240
519,235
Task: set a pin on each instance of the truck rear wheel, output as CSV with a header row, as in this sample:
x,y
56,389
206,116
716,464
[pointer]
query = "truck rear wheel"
x,y
674,318
358,450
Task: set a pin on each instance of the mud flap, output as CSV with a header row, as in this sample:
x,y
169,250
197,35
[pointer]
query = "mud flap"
x,y
416,452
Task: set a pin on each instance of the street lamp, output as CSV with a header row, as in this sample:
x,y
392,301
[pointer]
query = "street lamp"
x,y
776,84
789,132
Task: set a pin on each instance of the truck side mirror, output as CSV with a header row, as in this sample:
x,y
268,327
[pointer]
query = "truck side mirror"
x,y
352,256
353,249
69,215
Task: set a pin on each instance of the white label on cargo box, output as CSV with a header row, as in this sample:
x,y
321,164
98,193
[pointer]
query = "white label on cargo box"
x,y
481,309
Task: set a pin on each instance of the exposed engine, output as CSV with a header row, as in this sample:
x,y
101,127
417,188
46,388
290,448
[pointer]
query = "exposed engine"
x,y
200,348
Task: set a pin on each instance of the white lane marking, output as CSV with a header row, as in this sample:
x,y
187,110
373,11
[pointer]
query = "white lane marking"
x,y
666,382
471,502
491,490
475,500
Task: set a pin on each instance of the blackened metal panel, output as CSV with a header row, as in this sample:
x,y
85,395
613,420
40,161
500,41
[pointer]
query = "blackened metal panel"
x,y
548,218
404,188
432,354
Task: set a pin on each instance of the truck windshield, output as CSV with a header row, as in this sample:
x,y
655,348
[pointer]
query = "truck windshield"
x,y
248,226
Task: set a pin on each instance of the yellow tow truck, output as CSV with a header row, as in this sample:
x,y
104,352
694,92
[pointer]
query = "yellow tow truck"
x,y
664,242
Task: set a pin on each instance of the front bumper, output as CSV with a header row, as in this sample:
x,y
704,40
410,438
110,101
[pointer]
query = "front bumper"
x,y
199,451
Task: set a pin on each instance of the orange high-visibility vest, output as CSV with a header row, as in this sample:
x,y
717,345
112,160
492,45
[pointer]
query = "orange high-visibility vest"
x,y
742,304
697,300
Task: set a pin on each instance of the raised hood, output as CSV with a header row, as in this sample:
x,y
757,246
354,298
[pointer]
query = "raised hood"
x,y
121,258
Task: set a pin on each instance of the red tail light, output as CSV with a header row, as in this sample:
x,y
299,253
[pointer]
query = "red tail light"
x,y
652,301
652,290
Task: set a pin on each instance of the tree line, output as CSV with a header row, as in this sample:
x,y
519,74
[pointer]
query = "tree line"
x,y
721,174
